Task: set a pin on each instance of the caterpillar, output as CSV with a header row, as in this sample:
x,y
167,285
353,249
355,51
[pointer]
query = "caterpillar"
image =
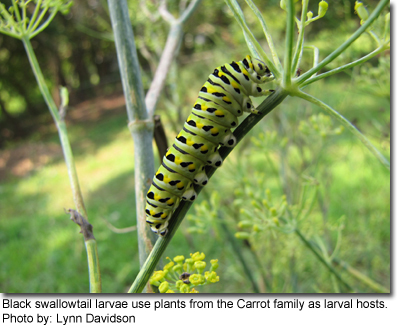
x,y
222,99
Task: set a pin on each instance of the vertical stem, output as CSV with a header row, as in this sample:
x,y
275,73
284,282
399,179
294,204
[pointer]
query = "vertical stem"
x,y
61,127
93,263
300,39
169,52
140,124
91,245
287,80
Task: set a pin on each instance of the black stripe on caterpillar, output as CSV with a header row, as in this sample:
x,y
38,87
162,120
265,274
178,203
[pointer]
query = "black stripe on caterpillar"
x,y
222,99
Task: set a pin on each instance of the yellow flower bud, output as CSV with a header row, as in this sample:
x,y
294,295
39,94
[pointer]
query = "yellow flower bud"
x,y
193,291
178,268
168,266
200,265
197,256
242,235
178,284
211,277
164,287
158,275
309,15
273,211
170,291
179,259
184,289
214,264
361,11
245,224
322,8
196,279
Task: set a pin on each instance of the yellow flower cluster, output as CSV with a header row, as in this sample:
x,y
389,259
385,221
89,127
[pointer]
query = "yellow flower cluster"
x,y
182,275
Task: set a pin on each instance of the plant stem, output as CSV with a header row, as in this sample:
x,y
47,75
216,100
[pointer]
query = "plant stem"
x,y
362,277
148,267
250,39
238,253
140,124
91,244
300,40
268,36
322,260
94,265
344,67
287,76
61,127
375,14
345,123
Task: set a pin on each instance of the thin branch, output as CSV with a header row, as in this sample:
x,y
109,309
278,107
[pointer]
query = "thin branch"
x,y
375,14
345,123
268,36
300,40
344,67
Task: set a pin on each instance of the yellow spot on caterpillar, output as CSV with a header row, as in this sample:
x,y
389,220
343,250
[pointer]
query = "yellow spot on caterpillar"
x,y
170,201
199,125
191,167
157,197
245,73
164,215
250,62
189,142
180,185
152,212
204,107
212,90
177,160
166,179
226,99
235,85
214,131
204,148
219,113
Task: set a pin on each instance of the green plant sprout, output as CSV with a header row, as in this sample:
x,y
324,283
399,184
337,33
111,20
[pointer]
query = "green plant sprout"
x,y
15,22
184,275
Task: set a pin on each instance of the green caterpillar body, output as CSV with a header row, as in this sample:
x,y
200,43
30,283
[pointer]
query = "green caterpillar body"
x,y
222,99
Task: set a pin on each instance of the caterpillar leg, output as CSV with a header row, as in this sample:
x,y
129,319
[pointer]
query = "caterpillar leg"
x,y
190,194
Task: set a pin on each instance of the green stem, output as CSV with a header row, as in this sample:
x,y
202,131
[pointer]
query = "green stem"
x,y
248,123
268,36
375,14
93,265
250,39
140,124
91,247
287,77
300,40
345,67
345,123
37,22
238,253
362,277
44,25
321,259
34,16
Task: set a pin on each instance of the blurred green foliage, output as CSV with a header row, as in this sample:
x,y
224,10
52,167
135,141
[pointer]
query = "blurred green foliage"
x,y
297,163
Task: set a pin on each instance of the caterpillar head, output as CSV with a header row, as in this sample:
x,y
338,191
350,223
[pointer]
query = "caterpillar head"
x,y
261,69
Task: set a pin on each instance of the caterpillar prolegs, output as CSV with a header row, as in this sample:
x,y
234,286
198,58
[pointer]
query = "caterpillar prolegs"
x,y
222,99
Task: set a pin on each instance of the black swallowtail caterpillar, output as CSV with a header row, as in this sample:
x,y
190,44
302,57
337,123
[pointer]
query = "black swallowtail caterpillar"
x,y
222,99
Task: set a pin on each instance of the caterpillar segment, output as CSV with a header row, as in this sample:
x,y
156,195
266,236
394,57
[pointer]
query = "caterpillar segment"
x,y
223,98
